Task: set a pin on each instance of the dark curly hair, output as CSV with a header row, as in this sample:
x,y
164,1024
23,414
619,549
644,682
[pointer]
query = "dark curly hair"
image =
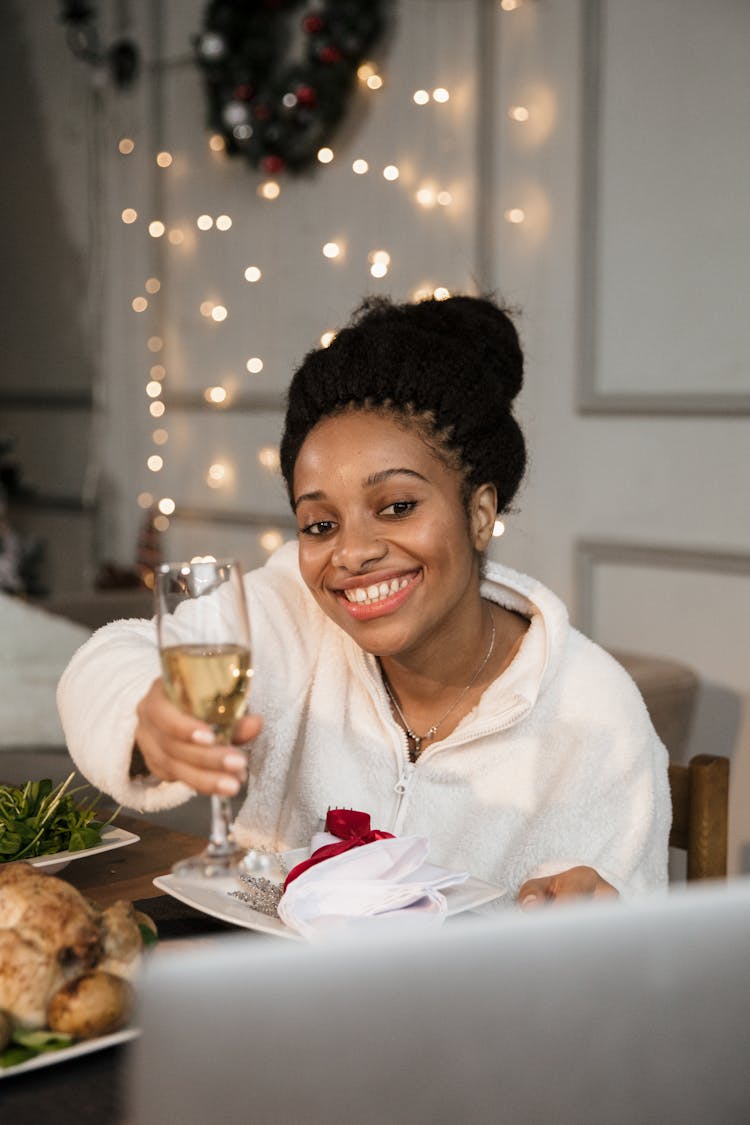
x,y
451,367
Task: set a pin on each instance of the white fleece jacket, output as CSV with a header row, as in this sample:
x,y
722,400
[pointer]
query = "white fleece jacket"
x,y
558,765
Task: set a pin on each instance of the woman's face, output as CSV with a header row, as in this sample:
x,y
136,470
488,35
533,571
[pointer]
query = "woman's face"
x,y
386,545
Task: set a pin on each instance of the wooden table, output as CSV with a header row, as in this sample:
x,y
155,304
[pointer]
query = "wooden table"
x,y
92,1090
128,872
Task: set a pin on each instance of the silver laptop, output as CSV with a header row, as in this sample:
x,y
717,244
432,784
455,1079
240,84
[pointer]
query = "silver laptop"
x,y
596,1013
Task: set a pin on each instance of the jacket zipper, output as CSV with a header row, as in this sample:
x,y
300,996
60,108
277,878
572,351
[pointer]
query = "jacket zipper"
x,y
403,785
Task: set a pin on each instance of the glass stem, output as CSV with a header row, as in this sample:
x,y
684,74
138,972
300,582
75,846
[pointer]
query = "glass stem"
x,y
220,841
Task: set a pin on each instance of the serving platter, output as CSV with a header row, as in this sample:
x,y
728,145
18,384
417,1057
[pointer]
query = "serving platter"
x,y
112,837
65,1054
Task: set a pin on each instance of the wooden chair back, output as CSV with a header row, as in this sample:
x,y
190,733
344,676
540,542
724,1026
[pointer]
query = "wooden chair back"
x,y
700,813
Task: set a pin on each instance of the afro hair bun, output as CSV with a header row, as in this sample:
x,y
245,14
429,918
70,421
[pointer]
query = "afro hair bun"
x,y
458,360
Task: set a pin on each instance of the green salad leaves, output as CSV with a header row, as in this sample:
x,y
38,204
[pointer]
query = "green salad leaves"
x,y
28,1044
41,819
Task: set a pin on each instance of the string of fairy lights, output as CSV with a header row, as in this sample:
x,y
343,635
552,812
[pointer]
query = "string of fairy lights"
x,y
219,473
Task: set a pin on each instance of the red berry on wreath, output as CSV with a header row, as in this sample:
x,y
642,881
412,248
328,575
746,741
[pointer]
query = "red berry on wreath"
x,y
273,163
243,92
313,24
261,112
330,55
306,95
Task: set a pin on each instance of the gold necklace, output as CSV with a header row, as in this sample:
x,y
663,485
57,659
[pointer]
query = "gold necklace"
x,y
416,749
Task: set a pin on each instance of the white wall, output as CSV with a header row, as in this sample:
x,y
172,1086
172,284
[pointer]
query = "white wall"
x,y
627,475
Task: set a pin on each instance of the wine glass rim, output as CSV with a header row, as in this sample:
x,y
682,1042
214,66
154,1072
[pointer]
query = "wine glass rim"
x,y
167,567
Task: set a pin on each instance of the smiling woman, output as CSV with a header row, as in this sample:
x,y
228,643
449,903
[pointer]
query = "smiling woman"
x,y
397,670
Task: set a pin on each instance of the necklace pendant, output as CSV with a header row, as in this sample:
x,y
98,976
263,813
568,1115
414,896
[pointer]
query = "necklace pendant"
x,y
417,749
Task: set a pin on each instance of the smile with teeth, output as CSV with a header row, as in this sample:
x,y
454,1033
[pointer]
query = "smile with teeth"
x,y
371,595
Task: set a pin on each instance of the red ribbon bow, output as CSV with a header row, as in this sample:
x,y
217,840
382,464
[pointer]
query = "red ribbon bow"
x,y
352,828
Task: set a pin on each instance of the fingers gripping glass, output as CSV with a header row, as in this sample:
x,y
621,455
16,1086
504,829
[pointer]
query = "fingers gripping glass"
x,y
204,640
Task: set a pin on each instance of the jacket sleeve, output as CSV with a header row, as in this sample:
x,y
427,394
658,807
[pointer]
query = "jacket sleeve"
x,y
97,698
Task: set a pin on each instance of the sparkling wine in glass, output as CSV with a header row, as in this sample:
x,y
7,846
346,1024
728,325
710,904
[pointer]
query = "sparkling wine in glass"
x,y
204,641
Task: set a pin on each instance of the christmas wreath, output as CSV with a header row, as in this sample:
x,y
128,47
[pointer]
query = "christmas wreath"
x,y
273,103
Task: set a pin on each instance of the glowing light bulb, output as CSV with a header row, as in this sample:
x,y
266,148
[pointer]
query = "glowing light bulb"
x,y
126,146
129,215
378,269
153,285
155,343
153,389
421,97
161,523
158,371
216,475
325,155
166,505
254,365
331,250
359,167
215,395
268,457
156,228
327,339
271,540
380,256
421,293
498,529
444,198
440,94
164,159
219,313
390,172
252,273
155,463
223,222
156,409
206,308
204,222
374,82
269,190
510,5
216,142
176,236
139,304
441,293
366,70
425,196
144,500
160,437
518,113
514,215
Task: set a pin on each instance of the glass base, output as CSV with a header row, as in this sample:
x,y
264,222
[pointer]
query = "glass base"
x,y
213,863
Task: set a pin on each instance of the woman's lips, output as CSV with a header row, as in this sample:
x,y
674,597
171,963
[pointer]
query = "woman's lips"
x,y
378,598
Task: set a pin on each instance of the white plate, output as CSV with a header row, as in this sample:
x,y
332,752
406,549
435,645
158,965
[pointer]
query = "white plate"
x,y
84,1047
111,838
213,897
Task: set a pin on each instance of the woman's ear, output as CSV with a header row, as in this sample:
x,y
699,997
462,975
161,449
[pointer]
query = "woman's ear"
x,y
483,513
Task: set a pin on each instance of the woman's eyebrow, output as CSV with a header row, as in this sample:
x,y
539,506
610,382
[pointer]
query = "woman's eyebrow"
x,y
386,474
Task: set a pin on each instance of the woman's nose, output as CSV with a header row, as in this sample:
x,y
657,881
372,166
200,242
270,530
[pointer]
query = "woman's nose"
x,y
358,544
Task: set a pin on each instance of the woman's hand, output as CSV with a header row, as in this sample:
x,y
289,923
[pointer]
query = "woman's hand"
x,y
577,882
178,747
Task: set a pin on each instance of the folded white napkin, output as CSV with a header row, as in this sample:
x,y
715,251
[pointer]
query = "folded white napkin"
x,y
387,880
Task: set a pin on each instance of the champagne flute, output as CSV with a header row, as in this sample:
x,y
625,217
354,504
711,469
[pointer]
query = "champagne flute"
x,y
204,641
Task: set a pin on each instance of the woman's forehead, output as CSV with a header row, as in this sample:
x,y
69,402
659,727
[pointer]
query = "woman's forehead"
x,y
364,448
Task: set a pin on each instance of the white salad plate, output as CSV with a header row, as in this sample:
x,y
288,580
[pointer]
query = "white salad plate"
x,y
214,897
64,1054
111,838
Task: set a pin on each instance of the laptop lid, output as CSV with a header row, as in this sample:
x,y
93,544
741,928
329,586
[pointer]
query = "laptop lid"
x,y
601,1013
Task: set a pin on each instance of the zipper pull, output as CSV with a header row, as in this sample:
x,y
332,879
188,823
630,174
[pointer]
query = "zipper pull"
x,y
402,784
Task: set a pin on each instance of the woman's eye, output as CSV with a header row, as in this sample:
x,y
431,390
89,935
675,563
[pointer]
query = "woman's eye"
x,y
320,527
399,508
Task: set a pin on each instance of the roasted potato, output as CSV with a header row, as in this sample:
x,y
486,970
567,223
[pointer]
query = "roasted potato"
x,y
94,1004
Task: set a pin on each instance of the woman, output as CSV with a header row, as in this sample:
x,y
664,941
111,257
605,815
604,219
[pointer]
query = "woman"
x,y
397,671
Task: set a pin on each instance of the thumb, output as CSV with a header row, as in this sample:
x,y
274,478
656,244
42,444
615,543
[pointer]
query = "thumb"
x,y
248,728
